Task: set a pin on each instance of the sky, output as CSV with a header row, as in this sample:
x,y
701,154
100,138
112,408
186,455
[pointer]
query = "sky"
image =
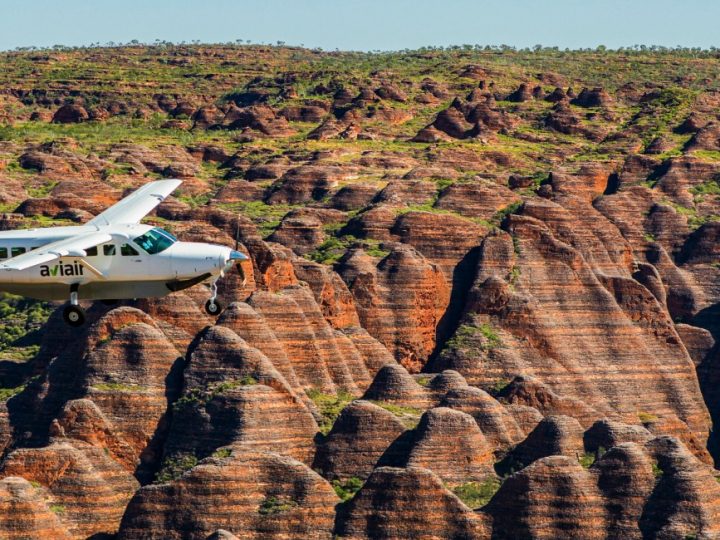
x,y
363,25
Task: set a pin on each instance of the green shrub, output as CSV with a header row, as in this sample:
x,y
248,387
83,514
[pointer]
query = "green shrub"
x,y
173,467
222,453
346,490
266,217
329,406
42,191
203,396
332,249
21,321
409,416
587,459
516,245
477,494
7,393
275,505
499,385
491,337
711,187
514,275
509,209
646,418
119,387
376,251
58,509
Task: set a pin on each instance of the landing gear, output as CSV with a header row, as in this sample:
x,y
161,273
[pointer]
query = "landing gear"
x,y
212,306
73,315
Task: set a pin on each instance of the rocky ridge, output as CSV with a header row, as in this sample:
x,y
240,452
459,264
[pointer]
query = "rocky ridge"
x,y
479,303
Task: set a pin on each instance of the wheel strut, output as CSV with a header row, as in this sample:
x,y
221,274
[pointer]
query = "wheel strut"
x,y
74,294
212,306
73,314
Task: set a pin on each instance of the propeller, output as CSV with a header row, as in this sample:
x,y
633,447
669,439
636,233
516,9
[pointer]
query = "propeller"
x,y
239,266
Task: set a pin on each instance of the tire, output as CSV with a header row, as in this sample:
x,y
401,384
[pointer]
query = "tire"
x,y
74,316
213,307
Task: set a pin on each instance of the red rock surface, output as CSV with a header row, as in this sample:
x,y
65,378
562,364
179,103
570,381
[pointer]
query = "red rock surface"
x,y
359,438
551,498
233,394
78,478
400,300
257,494
451,445
25,512
413,501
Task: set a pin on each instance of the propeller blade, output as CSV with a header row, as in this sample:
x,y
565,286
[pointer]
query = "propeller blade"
x,y
241,271
237,233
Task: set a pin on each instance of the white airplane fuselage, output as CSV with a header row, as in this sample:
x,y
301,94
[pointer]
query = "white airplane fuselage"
x,y
118,269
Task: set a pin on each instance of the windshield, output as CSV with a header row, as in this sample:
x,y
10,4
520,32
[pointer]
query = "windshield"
x,y
155,240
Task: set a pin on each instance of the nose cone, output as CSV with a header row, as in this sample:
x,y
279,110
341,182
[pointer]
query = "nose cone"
x,y
237,256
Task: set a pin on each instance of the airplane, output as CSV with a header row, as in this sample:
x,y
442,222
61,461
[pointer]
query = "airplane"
x,y
111,257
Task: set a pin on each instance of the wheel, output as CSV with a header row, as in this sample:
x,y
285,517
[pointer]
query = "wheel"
x,y
213,307
74,316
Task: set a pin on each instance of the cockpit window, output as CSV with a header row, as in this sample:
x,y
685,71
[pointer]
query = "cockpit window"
x,y
155,240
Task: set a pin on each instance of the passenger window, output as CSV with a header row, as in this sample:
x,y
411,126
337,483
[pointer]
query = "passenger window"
x,y
126,250
14,252
91,251
109,249
3,253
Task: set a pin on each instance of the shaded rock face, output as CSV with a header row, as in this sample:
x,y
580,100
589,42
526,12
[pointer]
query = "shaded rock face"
x,y
626,479
477,200
563,291
553,436
255,495
359,438
259,118
497,424
450,444
412,500
232,393
394,384
123,363
138,360
551,498
304,184
685,499
404,322
595,97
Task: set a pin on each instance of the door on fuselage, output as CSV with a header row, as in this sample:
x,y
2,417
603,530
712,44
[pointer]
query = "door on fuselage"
x,y
117,260
141,259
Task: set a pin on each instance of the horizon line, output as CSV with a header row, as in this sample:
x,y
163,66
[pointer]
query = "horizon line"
x,y
475,47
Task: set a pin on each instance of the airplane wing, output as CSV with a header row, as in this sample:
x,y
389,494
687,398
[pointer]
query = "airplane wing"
x,y
74,246
137,205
